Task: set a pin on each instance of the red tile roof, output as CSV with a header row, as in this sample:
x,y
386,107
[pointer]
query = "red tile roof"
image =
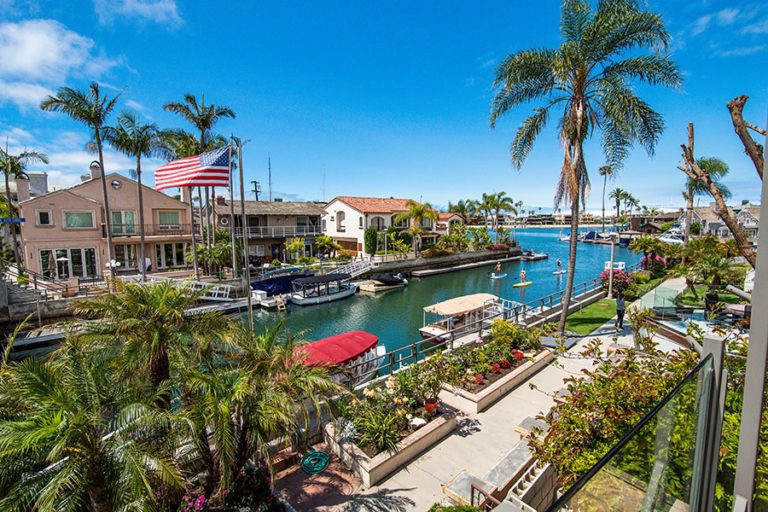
x,y
443,216
375,204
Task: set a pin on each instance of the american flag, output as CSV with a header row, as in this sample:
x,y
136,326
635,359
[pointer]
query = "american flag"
x,y
209,169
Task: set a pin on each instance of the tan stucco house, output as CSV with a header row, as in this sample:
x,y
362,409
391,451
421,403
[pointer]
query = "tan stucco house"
x,y
64,234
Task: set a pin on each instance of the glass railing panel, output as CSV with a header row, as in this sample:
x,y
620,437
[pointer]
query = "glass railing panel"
x,y
657,465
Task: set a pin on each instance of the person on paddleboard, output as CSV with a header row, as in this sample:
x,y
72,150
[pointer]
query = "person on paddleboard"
x,y
522,276
498,268
559,265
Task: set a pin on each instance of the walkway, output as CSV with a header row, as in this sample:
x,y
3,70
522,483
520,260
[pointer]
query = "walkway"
x,y
479,442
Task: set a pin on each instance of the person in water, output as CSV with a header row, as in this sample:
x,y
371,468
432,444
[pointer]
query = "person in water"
x,y
559,265
522,276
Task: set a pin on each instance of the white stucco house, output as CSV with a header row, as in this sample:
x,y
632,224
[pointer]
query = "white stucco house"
x,y
345,219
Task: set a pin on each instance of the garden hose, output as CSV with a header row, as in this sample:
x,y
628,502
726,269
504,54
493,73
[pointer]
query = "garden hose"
x,y
315,462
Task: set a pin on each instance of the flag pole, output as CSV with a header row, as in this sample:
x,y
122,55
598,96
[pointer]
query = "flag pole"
x,y
232,214
194,242
246,268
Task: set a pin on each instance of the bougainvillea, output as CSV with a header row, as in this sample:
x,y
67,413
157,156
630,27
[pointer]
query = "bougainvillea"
x,y
621,280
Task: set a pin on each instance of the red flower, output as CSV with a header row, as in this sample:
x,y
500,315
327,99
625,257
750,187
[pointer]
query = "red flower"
x,y
518,355
496,368
479,378
505,364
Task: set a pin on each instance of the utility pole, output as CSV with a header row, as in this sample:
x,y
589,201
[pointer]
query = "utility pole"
x,y
256,189
232,240
246,267
269,166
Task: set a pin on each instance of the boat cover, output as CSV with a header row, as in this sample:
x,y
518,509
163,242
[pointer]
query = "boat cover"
x,y
279,284
339,349
388,279
461,305
327,278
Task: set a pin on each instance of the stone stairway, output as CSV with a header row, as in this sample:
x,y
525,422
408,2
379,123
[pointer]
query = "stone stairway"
x,y
18,294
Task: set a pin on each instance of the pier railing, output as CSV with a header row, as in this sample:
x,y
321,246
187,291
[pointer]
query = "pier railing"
x,y
473,332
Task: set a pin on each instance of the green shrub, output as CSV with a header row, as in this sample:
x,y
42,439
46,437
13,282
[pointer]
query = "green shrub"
x,y
276,262
378,428
370,236
346,255
452,508
641,276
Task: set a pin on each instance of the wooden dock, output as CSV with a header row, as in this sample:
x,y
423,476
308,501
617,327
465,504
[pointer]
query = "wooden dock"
x,y
465,266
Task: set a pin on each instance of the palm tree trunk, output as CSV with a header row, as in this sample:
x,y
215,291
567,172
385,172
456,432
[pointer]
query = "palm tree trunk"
x,y
98,491
571,264
12,227
159,372
107,214
142,245
605,181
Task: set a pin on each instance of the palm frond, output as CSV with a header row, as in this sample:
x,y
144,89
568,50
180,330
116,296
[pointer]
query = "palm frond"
x,y
526,135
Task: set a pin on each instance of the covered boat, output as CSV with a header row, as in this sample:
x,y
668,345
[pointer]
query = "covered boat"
x,y
459,315
355,353
320,289
279,284
383,282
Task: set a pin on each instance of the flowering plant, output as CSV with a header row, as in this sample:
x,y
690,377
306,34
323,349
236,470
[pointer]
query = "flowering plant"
x,y
191,503
504,363
621,279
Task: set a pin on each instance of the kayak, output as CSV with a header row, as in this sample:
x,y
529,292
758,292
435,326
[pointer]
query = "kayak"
x,y
558,272
521,285
498,276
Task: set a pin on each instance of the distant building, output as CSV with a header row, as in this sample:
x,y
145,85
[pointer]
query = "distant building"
x,y
446,220
345,219
652,223
748,216
270,223
64,235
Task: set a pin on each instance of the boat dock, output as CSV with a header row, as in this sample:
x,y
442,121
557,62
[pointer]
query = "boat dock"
x,y
465,266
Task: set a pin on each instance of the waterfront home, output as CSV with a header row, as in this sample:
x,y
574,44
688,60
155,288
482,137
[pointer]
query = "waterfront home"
x,y
652,224
269,224
64,235
445,221
747,214
345,219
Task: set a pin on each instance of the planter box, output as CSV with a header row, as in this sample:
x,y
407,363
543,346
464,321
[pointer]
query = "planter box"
x,y
472,403
373,470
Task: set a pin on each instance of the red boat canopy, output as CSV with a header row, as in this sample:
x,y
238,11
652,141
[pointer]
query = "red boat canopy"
x,y
339,349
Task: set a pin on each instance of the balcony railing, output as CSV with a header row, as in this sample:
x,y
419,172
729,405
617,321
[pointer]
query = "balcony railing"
x,y
150,229
277,231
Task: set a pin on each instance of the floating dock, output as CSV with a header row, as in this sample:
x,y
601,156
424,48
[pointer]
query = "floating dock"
x,y
465,266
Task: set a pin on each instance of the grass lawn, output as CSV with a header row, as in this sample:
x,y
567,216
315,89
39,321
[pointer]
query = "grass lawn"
x,y
591,317
686,298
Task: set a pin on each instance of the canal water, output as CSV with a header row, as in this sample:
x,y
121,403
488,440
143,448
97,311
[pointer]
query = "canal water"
x,y
396,316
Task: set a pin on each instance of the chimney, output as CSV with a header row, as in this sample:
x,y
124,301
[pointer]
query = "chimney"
x,y
95,168
22,190
186,195
220,201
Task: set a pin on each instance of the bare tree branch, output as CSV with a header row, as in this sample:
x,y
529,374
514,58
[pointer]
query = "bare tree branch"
x,y
756,128
692,170
752,148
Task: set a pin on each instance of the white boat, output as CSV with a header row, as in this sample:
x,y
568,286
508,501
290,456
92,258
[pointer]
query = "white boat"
x,y
383,282
352,355
459,315
309,291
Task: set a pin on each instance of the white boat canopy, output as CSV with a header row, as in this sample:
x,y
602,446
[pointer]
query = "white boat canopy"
x,y
461,304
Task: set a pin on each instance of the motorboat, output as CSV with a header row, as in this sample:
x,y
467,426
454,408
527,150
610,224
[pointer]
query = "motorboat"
x,y
533,256
459,316
351,356
308,291
383,282
278,283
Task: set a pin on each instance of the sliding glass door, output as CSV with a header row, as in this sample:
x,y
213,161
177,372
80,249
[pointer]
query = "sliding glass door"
x,y
66,263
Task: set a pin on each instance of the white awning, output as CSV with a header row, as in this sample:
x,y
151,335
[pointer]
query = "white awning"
x,y
461,305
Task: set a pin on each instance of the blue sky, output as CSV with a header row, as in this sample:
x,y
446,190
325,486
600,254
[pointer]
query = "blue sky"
x,y
380,98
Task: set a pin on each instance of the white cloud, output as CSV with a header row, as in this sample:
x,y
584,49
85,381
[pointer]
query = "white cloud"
x,y
135,105
15,136
701,24
727,16
23,94
743,51
158,11
760,27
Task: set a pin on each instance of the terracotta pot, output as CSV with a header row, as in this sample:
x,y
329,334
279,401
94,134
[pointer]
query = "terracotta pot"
x,y
430,405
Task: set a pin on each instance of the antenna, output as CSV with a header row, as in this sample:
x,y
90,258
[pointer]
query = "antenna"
x,y
269,165
256,189
323,185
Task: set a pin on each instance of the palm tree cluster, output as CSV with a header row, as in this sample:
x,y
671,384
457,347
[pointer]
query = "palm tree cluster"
x,y
589,82
143,403
490,205
418,215
135,139
623,198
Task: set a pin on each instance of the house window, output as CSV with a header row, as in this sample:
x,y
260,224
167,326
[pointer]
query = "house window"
x,y
378,223
170,255
361,221
78,220
66,263
341,222
259,250
323,224
123,222
169,220
126,255
44,218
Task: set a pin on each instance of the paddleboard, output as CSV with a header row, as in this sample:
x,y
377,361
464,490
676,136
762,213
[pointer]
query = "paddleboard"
x,y
521,285
558,272
498,276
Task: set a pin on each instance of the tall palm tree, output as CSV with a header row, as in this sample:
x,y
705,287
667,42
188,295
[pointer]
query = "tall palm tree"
x,y
589,77
497,203
92,109
417,213
203,117
147,323
132,138
618,196
15,166
73,438
605,171
462,208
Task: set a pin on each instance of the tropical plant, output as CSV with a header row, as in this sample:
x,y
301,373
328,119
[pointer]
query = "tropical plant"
x,y
605,171
417,213
326,245
618,196
295,246
137,140
15,166
464,208
648,245
371,238
79,439
92,109
589,78
496,203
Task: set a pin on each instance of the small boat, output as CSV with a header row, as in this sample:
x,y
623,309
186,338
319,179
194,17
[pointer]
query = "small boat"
x,y
308,291
559,272
565,238
533,256
383,282
277,284
459,315
523,284
494,275
355,354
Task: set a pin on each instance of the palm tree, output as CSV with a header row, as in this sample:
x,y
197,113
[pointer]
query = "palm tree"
x,y
417,213
92,109
618,196
605,171
147,323
132,138
203,117
462,208
73,438
647,245
263,391
15,166
717,170
590,79
497,203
